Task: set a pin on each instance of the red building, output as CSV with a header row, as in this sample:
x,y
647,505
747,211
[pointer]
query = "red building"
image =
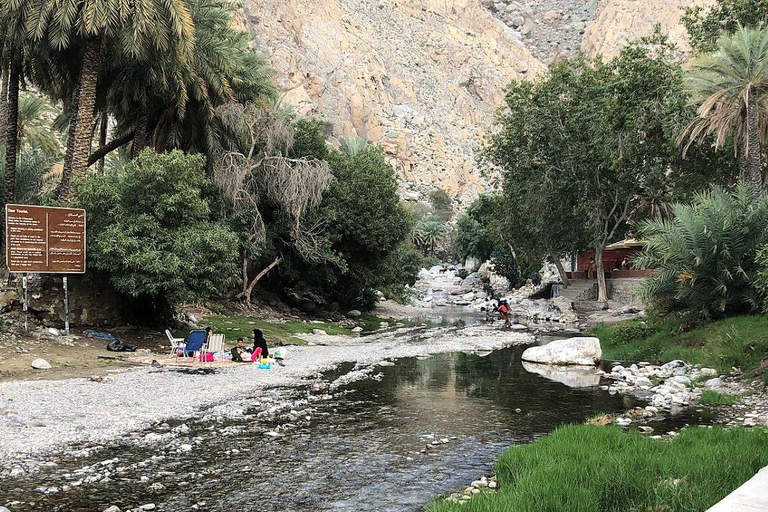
x,y
613,256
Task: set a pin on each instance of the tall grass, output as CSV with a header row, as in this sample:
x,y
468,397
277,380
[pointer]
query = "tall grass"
x,y
740,342
581,468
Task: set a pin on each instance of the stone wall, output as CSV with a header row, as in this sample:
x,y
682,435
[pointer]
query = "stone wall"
x,y
91,301
624,290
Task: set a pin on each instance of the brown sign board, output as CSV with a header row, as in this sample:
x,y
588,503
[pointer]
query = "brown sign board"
x,y
43,239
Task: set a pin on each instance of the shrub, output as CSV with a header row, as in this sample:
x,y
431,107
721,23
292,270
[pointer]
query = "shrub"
x,y
150,229
705,257
630,332
442,204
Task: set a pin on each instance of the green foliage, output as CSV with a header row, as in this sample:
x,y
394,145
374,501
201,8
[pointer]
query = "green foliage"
x,y
309,139
428,234
477,233
442,204
729,87
705,26
581,468
631,332
761,279
365,225
705,257
712,397
740,342
589,148
150,229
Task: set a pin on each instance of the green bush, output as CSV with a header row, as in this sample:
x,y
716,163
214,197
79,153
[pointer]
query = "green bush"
x,y
705,257
150,229
630,332
442,204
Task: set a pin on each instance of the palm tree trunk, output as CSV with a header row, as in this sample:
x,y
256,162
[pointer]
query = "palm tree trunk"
x,y
102,139
750,160
142,122
12,132
79,148
4,103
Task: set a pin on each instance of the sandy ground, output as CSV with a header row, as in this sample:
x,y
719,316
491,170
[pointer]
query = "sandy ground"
x,y
70,356
38,416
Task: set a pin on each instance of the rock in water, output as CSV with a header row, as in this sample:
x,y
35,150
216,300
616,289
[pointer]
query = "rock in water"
x,y
41,364
579,351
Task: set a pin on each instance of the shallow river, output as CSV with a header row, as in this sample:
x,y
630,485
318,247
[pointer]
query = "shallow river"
x,y
364,450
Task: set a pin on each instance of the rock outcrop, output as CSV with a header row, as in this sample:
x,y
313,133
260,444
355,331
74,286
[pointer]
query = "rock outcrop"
x,y
420,77
423,78
621,21
572,351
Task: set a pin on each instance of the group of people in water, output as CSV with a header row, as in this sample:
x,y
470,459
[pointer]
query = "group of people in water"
x,y
500,310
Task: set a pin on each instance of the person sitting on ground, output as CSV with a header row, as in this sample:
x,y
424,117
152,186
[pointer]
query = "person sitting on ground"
x,y
260,343
240,354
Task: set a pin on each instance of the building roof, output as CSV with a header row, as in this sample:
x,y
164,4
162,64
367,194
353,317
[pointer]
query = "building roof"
x,y
627,243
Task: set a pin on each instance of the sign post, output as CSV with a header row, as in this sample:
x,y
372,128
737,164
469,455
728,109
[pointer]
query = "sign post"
x,y
66,307
45,240
24,300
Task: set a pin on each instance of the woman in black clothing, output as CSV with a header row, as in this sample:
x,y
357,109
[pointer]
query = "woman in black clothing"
x,y
260,342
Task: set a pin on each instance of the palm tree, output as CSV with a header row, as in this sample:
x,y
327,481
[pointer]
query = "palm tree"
x,y
168,104
730,88
12,49
139,28
34,131
427,234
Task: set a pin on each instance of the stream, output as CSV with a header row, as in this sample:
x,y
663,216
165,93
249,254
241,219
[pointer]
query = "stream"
x,y
369,447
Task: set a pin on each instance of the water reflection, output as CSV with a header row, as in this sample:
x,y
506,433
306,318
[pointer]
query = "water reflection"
x,y
367,450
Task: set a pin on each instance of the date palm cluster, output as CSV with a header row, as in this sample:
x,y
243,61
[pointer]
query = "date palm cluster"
x,y
149,73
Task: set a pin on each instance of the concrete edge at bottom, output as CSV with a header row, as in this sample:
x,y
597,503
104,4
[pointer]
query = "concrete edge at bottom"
x,y
752,496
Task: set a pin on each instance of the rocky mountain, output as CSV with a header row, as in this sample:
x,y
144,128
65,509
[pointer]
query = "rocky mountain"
x,y
423,78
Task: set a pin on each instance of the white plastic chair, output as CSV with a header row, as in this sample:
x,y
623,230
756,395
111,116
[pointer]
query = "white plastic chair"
x,y
176,343
215,343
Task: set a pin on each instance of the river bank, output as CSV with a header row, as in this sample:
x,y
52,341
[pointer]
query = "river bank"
x,y
39,417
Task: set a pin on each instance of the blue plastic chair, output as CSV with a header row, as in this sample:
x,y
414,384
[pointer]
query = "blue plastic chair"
x,y
195,341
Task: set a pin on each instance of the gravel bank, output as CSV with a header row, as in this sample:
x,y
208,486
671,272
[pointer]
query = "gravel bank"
x,y
46,416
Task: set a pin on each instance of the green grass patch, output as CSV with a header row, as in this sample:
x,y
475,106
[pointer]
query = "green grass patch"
x,y
712,397
242,327
740,342
580,468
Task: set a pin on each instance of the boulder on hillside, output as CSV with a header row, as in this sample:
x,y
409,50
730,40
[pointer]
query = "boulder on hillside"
x,y
41,364
572,351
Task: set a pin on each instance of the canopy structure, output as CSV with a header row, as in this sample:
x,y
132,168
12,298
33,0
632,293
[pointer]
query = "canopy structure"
x,y
627,243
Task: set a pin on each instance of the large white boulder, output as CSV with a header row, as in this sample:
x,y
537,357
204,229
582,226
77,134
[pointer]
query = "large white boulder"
x,y
41,364
579,351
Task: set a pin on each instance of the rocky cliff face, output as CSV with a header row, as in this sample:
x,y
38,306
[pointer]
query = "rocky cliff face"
x,y
420,77
620,21
423,78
